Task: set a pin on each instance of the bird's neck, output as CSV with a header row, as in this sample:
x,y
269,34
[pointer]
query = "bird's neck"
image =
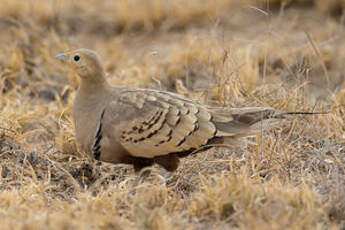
x,y
94,84
92,90
92,87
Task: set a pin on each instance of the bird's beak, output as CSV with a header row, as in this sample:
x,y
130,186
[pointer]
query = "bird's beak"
x,y
61,57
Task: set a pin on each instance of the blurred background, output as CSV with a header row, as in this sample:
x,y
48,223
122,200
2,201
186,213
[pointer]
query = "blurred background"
x,y
196,41
287,54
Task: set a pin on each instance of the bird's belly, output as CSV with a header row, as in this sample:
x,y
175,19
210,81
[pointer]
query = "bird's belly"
x,y
112,151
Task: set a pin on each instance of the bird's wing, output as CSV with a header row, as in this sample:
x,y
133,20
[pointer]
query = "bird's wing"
x,y
150,123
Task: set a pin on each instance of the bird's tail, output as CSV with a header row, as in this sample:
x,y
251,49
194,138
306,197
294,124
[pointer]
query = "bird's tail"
x,y
239,122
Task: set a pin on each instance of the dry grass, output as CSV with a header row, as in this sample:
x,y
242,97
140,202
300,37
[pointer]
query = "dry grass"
x,y
289,55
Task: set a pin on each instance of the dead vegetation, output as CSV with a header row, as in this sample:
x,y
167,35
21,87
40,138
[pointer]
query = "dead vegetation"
x,y
286,54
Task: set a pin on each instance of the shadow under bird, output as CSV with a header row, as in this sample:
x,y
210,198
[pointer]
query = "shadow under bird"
x,y
145,126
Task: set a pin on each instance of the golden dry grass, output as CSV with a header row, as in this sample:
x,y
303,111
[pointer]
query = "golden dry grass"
x,y
285,54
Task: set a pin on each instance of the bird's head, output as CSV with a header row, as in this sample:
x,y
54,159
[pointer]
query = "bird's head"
x,y
86,63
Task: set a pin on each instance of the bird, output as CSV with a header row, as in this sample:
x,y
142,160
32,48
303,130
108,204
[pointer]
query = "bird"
x,y
142,127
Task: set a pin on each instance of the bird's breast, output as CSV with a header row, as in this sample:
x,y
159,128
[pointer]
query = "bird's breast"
x,y
86,119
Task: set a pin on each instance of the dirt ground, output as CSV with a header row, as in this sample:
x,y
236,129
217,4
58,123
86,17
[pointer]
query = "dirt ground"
x,y
289,55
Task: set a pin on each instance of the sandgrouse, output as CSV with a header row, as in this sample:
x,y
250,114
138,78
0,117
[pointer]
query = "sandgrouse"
x,y
145,126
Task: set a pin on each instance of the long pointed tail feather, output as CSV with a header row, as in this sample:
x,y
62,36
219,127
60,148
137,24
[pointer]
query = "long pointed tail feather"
x,y
282,114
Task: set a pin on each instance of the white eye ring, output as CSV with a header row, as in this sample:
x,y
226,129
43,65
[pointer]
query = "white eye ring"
x,y
76,58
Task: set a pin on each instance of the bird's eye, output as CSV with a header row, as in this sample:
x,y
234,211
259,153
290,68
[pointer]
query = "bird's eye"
x,y
76,58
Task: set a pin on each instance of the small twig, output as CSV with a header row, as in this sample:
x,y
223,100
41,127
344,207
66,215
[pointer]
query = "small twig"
x,y
9,130
157,81
317,52
259,10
